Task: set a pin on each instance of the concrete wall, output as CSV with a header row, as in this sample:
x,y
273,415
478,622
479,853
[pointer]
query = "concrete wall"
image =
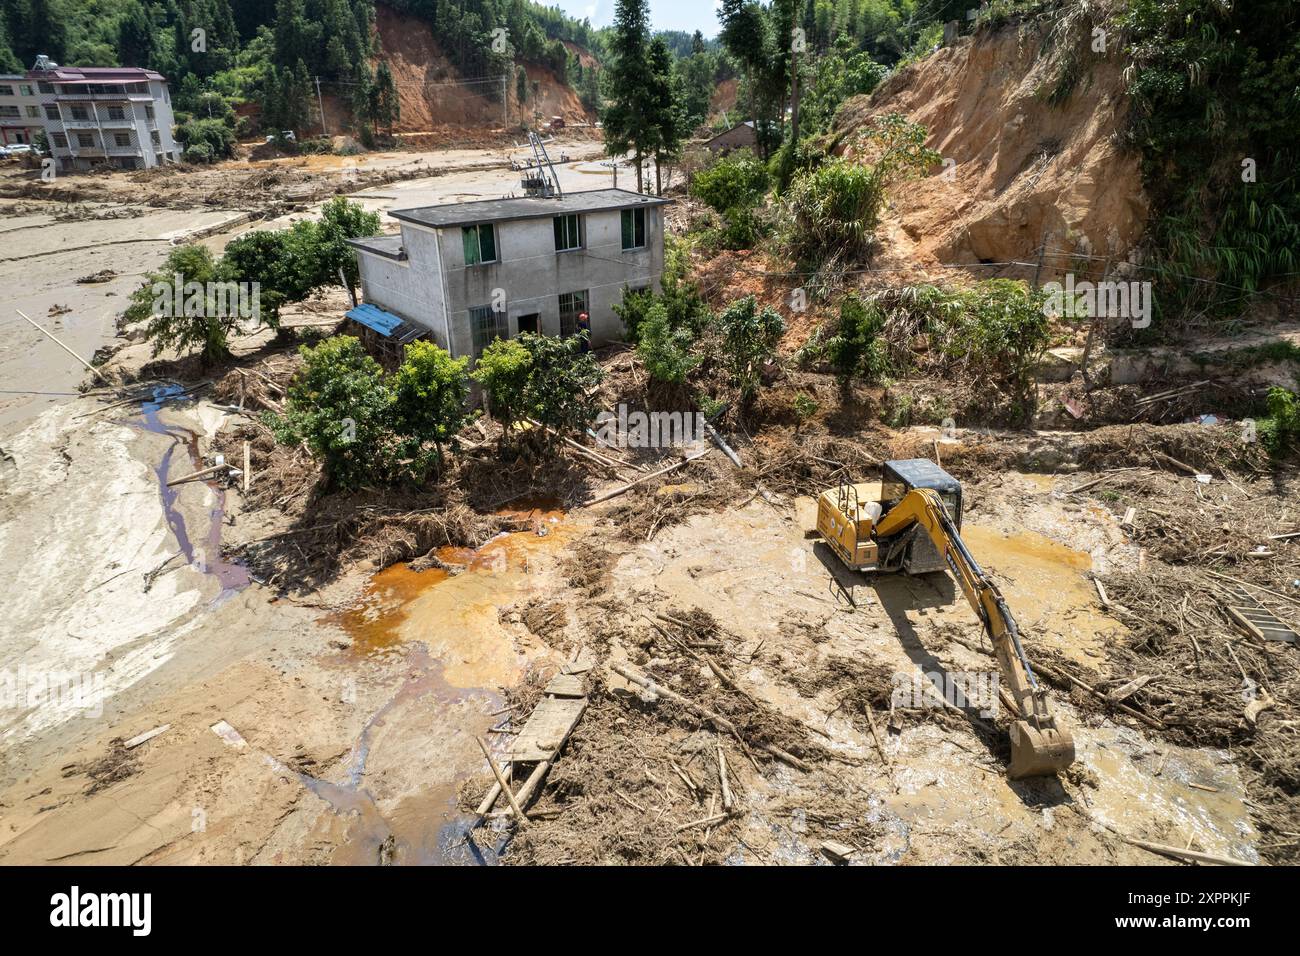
x,y
528,277
21,100
532,275
739,137
411,288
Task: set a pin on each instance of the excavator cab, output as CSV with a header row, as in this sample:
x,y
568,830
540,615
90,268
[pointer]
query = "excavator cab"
x,y
912,551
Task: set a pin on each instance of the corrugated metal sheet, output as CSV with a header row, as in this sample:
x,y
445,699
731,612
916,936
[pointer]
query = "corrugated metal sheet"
x,y
373,317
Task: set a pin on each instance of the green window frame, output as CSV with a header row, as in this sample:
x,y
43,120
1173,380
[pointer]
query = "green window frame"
x,y
568,232
633,229
480,243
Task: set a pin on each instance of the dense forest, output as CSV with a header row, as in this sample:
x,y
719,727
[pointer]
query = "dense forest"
x,y
219,53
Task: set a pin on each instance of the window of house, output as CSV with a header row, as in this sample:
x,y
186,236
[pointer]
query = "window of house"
x,y
45,87
480,244
122,139
85,140
33,113
148,111
155,138
116,113
25,90
8,112
79,113
6,90
52,112
633,228
60,140
486,324
571,303
568,233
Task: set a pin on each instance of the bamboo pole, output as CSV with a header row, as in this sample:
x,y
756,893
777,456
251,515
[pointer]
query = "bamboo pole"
x,y
53,338
501,781
654,474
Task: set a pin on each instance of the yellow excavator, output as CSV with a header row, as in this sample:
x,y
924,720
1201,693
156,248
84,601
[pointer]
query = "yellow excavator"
x,y
911,521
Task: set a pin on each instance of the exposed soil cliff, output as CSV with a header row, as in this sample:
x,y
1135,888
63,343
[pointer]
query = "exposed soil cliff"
x,y
1025,173
434,97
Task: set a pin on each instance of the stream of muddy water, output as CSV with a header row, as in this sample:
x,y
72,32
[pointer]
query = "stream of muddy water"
x,y
443,624
207,558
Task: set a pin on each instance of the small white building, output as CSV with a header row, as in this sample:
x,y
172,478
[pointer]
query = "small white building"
x,y
104,116
20,109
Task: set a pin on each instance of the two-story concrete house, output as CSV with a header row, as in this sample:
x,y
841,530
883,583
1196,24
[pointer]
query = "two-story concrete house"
x,y
117,116
467,273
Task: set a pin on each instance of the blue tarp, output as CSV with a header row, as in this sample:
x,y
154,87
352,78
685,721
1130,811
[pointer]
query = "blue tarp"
x,y
373,317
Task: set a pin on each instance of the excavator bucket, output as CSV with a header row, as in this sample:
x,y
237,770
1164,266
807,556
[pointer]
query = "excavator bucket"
x,y
1038,752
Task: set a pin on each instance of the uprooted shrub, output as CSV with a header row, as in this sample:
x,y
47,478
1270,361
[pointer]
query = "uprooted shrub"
x,y
997,330
736,180
749,337
734,187
1280,429
856,349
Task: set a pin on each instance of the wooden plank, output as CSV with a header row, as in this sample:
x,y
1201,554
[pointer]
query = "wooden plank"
x,y
565,685
581,663
138,739
548,727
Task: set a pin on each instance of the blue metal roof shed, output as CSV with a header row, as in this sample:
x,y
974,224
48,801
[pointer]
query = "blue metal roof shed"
x,y
385,323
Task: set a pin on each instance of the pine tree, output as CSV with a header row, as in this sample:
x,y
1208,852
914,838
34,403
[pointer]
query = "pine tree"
x,y
667,118
386,109
627,124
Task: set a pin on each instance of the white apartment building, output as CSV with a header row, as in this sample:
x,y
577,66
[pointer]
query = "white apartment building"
x,y
21,116
115,116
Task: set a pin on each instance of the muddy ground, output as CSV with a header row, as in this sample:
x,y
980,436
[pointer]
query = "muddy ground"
x,y
321,698
355,707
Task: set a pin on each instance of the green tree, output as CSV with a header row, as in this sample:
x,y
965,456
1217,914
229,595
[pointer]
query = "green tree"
x,y
697,82
340,221
385,108
856,348
665,115
503,370
749,340
196,320
627,120
664,350
429,407
340,404
560,379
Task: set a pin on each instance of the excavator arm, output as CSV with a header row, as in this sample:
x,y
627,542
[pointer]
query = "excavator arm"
x,y
1038,745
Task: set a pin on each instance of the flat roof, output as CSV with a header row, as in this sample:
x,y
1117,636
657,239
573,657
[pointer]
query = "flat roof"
x,y
387,246
525,207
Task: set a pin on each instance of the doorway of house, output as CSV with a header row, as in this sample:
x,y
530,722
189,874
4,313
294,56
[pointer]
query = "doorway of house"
x,y
528,323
